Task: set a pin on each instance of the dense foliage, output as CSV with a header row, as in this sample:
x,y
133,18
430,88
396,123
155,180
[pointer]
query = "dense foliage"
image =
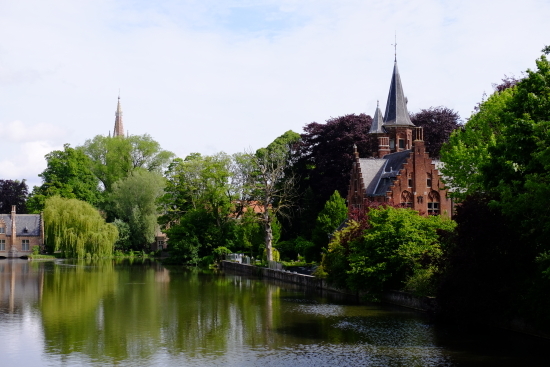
x,y
198,206
329,219
114,158
76,229
134,201
384,248
326,152
13,192
438,123
67,175
500,164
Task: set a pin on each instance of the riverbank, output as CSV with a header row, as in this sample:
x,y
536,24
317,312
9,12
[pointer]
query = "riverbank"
x,y
398,298
403,299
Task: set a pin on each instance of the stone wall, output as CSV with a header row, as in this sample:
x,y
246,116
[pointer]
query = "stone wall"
x,y
410,301
393,297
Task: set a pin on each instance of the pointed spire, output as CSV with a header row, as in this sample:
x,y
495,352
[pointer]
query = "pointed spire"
x,y
396,107
119,128
377,122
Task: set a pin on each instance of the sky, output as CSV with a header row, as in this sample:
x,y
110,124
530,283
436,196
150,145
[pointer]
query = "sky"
x,y
213,75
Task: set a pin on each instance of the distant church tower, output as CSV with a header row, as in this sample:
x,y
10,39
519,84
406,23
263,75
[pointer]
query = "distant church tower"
x,y
119,128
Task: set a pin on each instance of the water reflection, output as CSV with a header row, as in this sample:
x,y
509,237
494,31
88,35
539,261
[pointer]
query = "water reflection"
x,y
141,313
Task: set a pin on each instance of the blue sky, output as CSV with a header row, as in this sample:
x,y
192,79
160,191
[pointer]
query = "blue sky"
x,y
206,76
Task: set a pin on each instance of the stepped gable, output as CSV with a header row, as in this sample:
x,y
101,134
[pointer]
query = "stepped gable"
x,y
379,174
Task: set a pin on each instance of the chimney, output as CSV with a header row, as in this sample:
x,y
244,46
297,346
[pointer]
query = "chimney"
x,y
13,227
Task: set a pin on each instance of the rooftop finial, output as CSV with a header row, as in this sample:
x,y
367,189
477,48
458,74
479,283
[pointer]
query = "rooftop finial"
x,y
395,48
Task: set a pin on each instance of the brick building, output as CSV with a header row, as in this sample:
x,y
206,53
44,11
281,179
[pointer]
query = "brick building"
x,y
400,171
19,233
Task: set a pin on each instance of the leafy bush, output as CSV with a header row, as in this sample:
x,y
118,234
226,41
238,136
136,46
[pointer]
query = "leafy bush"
x,y
220,252
275,255
384,248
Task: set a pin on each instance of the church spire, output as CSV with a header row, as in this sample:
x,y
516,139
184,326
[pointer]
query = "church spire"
x,y
396,107
119,128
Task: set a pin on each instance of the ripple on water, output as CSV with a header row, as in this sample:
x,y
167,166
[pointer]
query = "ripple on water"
x,y
326,310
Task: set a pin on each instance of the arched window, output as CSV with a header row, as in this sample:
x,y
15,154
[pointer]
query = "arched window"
x,y
406,199
433,203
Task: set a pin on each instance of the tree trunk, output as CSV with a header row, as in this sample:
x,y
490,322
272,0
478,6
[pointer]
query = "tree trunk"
x,y
268,236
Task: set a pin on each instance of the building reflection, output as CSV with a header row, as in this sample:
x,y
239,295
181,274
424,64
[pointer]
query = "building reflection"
x,y
21,283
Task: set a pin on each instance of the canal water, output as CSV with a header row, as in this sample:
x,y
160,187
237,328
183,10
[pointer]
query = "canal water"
x,y
144,314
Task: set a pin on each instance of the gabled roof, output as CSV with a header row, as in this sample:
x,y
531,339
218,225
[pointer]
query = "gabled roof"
x,y
377,122
30,222
379,173
396,106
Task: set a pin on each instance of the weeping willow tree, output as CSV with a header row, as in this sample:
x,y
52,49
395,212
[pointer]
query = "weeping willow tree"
x,y
76,229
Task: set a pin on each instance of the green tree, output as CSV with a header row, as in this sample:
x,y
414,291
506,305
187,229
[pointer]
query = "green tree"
x,y
384,249
76,229
123,243
249,232
469,148
67,175
114,158
506,162
13,192
333,215
269,181
133,200
198,205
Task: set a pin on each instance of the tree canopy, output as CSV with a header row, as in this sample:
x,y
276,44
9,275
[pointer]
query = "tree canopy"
x,y
384,248
326,152
67,175
438,124
499,164
13,192
134,200
113,158
77,229
198,204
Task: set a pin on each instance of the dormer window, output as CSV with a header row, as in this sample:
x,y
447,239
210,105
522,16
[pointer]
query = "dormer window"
x,y
25,230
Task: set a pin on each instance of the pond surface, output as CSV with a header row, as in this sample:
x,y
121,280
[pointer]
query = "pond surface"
x,y
137,314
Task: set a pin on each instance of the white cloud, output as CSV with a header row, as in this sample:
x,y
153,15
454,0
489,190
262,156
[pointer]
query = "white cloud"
x,y
26,161
24,148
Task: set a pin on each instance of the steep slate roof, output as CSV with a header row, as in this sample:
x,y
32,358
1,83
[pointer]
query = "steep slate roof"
x,y
22,221
396,106
377,122
379,173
